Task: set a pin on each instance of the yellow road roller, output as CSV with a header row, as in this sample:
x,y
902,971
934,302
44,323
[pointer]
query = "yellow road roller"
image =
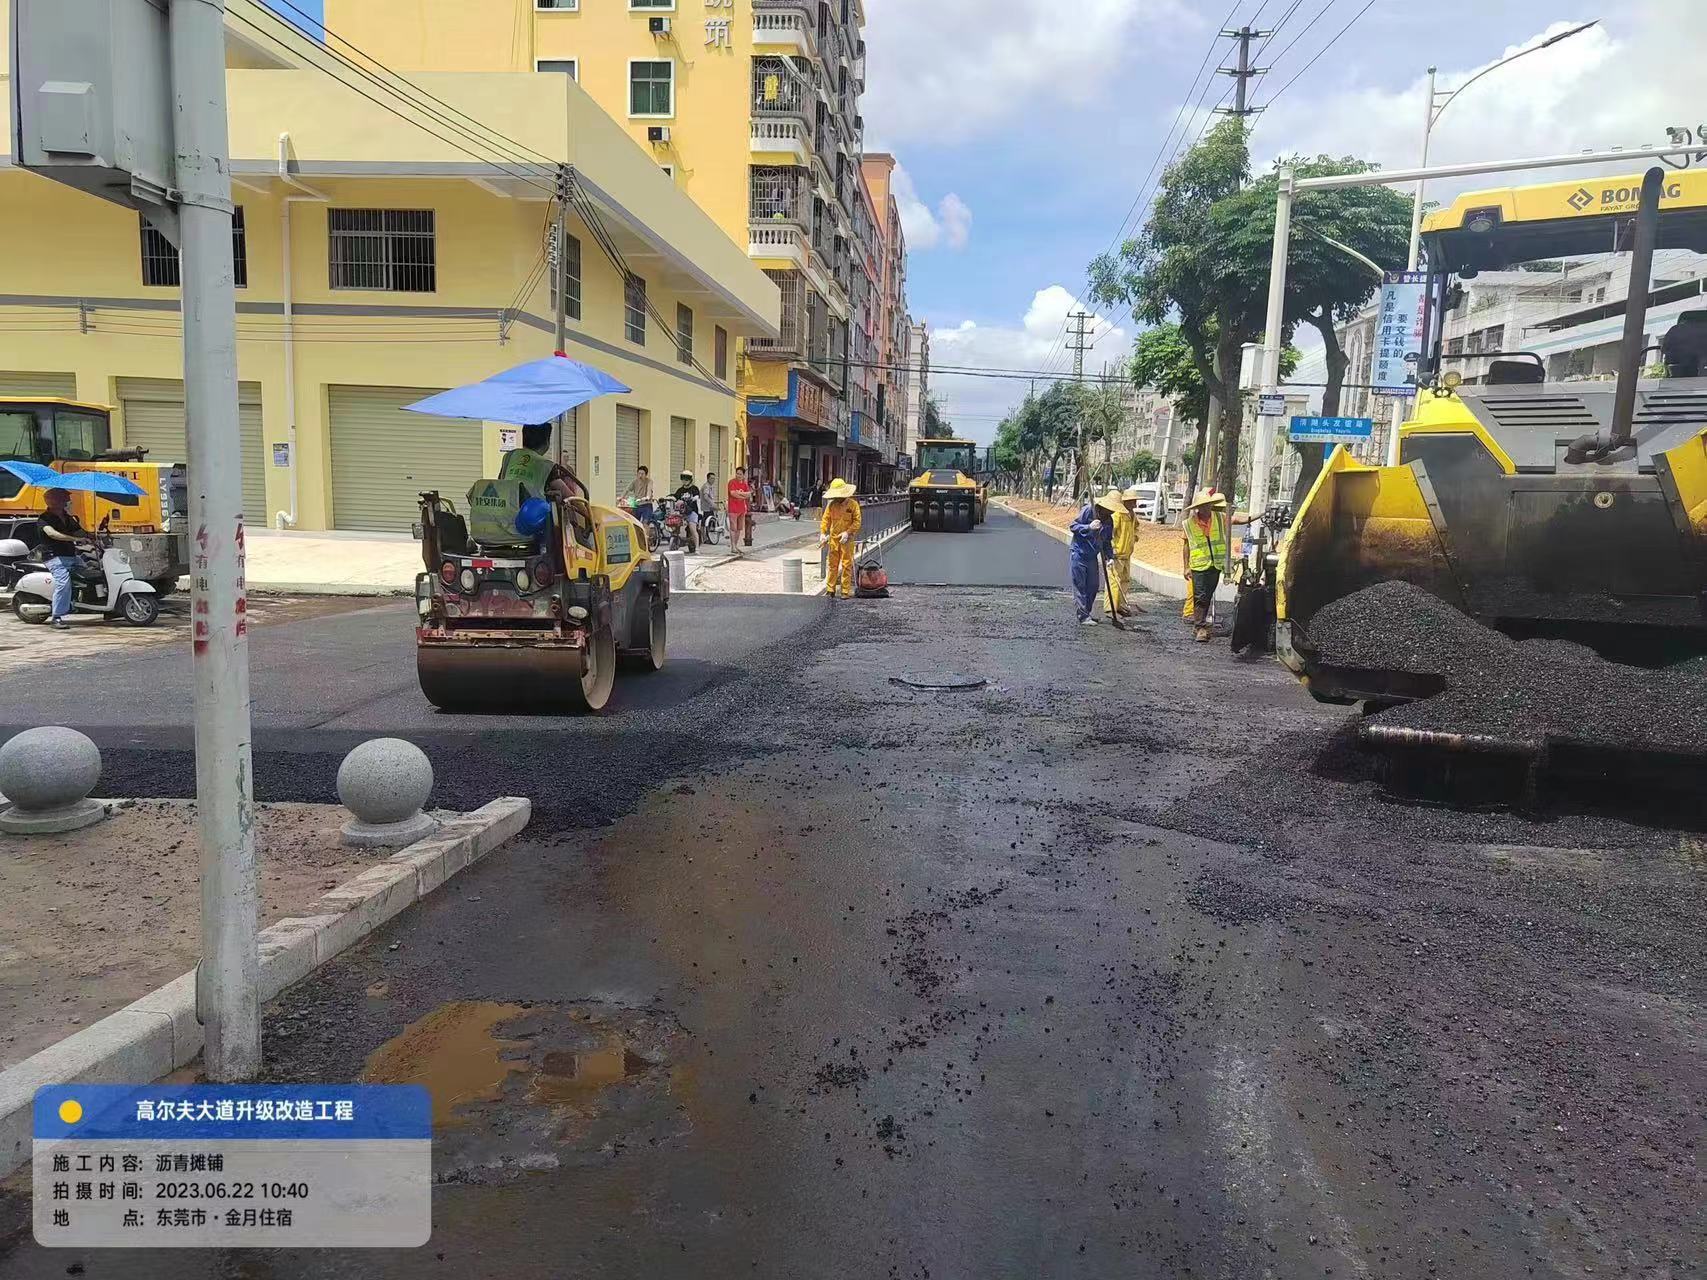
x,y
946,495
1542,500
535,622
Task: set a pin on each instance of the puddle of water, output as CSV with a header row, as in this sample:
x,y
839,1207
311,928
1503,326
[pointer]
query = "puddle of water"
x,y
571,1077
454,1051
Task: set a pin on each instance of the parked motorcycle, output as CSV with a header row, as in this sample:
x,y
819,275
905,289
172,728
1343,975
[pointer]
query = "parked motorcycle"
x,y
679,532
17,558
101,583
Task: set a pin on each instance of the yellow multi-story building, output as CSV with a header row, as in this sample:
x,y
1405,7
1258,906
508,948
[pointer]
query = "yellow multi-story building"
x,y
391,242
751,107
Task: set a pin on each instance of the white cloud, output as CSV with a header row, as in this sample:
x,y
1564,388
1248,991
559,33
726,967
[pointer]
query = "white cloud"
x,y
1005,59
1618,84
975,405
950,226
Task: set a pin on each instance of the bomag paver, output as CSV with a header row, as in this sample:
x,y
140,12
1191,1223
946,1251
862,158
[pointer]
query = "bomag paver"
x,y
1542,507
947,495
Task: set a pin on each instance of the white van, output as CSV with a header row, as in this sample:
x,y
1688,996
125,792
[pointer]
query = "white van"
x,y
1149,494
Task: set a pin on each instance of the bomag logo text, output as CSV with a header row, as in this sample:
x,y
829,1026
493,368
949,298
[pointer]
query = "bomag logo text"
x,y
1626,197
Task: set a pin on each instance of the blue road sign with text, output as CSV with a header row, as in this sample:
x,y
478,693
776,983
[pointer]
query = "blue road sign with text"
x,y
1331,430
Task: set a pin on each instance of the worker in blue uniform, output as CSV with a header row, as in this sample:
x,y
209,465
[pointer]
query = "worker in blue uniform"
x,y
1093,544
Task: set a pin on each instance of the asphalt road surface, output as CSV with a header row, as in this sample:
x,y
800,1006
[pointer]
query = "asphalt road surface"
x,y
1004,551
1120,964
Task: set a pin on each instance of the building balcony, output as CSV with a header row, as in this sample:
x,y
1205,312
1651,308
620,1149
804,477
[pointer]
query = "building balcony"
x,y
784,26
790,342
780,193
780,242
784,136
779,90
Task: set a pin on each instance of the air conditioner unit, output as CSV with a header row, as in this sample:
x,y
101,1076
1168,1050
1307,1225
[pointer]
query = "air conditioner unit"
x,y
660,26
659,133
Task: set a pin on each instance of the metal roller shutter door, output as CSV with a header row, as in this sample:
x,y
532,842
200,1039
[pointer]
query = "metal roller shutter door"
x,y
720,460
627,445
62,386
571,430
154,420
384,458
681,430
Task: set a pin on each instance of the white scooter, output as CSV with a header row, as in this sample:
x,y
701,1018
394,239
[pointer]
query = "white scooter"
x,y
111,589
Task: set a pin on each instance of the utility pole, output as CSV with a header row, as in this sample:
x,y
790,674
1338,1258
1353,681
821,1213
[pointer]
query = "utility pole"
x,y
560,277
1079,343
227,981
1244,73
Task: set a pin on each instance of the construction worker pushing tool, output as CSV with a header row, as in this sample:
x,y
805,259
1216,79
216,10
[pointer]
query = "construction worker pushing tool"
x,y
1125,541
840,530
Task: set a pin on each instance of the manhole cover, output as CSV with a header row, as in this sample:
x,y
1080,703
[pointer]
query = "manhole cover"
x,y
939,682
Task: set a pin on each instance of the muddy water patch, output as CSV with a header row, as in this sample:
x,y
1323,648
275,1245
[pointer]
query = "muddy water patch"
x,y
520,1088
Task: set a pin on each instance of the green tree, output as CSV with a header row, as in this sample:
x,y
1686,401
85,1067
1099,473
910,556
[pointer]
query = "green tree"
x,y
1163,362
1202,261
1145,465
1326,285
1101,410
1187,266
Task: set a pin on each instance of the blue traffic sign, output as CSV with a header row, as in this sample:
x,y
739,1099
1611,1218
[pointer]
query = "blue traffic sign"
x,y
1331,430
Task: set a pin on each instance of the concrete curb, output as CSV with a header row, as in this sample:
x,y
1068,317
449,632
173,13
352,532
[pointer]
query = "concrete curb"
x,y
160,1032
879,545
1157,581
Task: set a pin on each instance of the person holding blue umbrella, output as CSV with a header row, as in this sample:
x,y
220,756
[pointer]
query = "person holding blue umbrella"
x,y
62,535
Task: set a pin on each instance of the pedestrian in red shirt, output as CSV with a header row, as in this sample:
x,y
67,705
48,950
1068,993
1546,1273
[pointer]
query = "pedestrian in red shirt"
x,y
740,511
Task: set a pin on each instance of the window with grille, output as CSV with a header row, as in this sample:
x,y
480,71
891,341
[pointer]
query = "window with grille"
x,y
557,4
634,307
572,268
389,250
160,266
651,88
651,4
720,353
684,333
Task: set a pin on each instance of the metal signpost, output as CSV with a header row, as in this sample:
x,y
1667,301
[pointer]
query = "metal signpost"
x,y
125,99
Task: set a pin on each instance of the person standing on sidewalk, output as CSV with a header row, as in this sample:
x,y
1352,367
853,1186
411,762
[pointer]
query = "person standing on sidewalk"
x,y
1093,544
740,506
1205,550
839,528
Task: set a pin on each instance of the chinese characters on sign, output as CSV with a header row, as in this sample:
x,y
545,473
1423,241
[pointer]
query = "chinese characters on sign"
x,y
718,31
1331,430
1398,334
227,1166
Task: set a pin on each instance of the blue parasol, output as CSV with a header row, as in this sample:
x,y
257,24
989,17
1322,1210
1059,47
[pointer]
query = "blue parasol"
x,y
534,392
39,477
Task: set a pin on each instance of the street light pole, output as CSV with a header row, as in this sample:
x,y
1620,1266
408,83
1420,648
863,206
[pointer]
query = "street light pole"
x,y
1434,106
227,980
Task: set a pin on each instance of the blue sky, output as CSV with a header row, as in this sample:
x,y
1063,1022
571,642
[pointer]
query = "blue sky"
x,y
1042,126
1025,128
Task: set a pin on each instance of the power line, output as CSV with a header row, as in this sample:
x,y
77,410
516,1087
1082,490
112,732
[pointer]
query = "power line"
x,y
1329,45
1308,26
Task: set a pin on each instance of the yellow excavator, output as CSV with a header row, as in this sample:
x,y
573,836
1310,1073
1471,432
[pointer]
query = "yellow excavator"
x,y
1539,505
947,494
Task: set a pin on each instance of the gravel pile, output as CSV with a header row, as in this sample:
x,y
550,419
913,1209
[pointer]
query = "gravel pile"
x,y
1537,691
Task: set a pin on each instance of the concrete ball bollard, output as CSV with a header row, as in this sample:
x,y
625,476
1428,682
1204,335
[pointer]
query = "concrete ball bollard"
x,y
47,775
385,783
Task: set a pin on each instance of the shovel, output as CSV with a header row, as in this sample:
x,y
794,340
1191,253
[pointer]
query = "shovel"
x,y
1108,585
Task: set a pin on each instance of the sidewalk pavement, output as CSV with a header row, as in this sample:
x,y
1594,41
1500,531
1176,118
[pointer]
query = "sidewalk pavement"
x,y
375,564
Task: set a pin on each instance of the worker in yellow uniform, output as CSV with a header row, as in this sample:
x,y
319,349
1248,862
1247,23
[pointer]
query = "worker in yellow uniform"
x,y
1205,549
839,529
1122,508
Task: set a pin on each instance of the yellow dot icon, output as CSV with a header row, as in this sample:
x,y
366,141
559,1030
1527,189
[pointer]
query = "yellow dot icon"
x,y
71,1111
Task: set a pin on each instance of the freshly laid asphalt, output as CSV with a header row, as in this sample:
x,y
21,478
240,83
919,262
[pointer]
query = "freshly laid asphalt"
x,y
1119,964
